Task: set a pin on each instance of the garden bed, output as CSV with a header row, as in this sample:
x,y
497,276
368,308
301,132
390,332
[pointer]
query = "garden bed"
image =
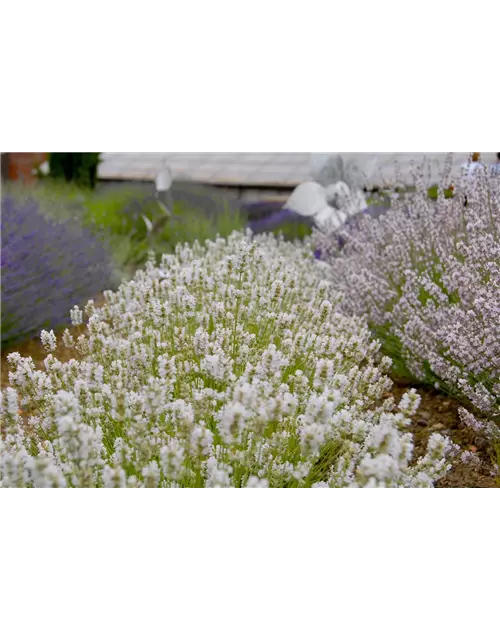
x,y
33,348
439,413
247,363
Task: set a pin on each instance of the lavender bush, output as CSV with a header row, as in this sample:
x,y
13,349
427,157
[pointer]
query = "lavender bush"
x,y
284,221
228,365
426,275
46,266
330,240
264,217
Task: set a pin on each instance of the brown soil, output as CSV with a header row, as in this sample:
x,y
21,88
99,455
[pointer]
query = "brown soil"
x,y
35,349
439,413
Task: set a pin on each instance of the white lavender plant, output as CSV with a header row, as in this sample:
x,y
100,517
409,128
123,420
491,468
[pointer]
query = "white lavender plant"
x,y
227,365
426,275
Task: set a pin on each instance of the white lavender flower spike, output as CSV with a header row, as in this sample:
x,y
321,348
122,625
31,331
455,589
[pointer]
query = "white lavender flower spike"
x,y
226,365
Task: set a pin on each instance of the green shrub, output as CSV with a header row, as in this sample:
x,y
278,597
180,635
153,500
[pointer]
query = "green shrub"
x,y
80,168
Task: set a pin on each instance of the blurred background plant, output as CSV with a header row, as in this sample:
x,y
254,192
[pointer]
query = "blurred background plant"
x,y
80,168
128,213
269,217
87,237
47,267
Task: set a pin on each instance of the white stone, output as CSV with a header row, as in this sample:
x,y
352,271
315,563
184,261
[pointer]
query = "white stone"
x,y
308,199
341,197
333,217
331,205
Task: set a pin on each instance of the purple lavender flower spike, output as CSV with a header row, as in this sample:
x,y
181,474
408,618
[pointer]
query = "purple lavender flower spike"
x,y
276,219
259,210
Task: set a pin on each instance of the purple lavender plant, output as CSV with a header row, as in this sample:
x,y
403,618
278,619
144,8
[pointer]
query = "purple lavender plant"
x,y
278,218
257,211
330,243
426,275
47,267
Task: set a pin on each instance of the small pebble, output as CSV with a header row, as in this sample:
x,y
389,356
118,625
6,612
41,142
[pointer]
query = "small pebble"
x,y
422,422
438,426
